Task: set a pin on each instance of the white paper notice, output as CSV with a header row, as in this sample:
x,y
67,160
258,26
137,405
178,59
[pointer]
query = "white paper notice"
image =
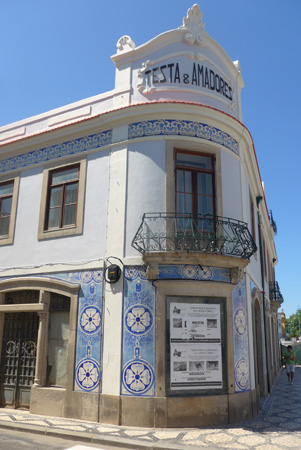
x,y
195,346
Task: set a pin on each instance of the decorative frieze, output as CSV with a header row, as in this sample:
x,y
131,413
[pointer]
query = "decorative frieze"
x,y
68,148
171,127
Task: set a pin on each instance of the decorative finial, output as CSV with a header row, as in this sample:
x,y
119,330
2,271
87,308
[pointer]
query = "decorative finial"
x,y
237,65
125,43
194,26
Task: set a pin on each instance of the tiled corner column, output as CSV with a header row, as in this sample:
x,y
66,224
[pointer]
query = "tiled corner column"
x,y
112,306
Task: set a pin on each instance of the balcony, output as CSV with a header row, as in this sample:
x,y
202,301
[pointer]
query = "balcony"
x,y
275,294
206,239
272,222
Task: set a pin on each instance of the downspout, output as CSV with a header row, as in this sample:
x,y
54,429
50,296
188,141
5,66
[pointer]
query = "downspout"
x,y
258,200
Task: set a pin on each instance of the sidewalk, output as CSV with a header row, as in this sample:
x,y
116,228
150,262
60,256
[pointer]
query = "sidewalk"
x,y
278,426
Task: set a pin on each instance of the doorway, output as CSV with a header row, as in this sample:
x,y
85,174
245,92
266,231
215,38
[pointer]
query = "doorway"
x,y
18,356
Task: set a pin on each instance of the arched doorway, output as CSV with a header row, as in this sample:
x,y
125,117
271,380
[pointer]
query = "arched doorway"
x,y
35,316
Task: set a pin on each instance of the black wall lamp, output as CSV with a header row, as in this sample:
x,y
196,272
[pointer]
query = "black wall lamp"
x,y
259,198
113,273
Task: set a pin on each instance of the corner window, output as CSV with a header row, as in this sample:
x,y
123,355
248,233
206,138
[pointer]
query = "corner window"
x,y
195,197
194,184
8,205
62,201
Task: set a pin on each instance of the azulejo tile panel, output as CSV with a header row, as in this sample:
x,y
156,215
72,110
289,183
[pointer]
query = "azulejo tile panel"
x,y
138,337
241,337
88,343
57,151
193,272
170,127
87,373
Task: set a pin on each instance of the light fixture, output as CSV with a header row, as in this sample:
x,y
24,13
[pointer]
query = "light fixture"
x,y
113,273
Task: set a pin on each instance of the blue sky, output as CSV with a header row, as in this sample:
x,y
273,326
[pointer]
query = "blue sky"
x,y
57,52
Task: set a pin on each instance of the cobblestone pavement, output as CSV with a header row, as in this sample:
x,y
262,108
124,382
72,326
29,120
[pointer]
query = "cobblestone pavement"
x,y
278,426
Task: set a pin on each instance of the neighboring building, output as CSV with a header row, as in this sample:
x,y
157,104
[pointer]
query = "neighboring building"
x,y
281,325
137,252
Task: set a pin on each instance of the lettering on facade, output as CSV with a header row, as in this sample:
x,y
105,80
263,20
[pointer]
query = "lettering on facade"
x,y
199,76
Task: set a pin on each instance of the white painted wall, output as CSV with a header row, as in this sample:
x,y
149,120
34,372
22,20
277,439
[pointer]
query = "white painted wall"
x,y
231,186
146,185
28,251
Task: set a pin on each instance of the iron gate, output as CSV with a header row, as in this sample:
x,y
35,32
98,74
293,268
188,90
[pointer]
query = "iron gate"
x,y
18,358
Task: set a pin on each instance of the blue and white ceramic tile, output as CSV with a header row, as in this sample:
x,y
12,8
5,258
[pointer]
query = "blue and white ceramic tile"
x,y
171,127
241,337
57,151
87,359
193,272
138,338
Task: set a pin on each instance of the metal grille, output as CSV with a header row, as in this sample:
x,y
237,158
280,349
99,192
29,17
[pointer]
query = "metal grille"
x,y
17,297
59,302
18,356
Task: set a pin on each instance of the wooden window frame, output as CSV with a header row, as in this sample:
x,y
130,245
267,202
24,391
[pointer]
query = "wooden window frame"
x,y
63,185
9,237
71,229
194,171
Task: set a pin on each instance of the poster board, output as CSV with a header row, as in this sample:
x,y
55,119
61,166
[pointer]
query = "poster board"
x,y
195,347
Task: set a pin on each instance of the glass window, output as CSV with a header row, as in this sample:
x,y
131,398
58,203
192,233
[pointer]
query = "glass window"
x,y
194,184
6,195
194,160
58,337
62,198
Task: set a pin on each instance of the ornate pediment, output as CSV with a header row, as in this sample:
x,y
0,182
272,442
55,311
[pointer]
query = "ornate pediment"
x,y
194,26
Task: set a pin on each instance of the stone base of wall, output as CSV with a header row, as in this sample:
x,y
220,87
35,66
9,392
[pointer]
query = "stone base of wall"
x,y
59,402
187,412
150,412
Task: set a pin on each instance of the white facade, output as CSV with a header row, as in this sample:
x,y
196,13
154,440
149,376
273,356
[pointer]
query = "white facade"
x,y
175,114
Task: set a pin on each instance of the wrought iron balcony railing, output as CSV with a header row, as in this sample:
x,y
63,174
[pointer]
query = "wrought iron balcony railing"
x,y
275,294
272,221
164,232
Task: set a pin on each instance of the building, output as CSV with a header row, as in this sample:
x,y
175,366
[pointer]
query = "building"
x,y
137,251
281,325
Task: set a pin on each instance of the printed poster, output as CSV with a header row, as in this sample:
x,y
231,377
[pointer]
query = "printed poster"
x,y
195,346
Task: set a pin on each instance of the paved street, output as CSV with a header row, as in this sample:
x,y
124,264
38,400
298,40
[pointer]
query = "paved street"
x,y
278,426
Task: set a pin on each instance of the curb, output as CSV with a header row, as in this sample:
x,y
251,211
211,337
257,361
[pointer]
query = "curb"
x,y
93,438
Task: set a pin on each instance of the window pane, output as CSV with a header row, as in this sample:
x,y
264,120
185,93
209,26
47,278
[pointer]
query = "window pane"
x,y
184,181
65,175
57,348
184,203
71,193
201,162
55,197
205,205
69,215
204,183
6,188
54,218
6,206
4,226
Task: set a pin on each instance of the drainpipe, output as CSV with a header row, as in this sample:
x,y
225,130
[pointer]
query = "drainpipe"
x,y
258,200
